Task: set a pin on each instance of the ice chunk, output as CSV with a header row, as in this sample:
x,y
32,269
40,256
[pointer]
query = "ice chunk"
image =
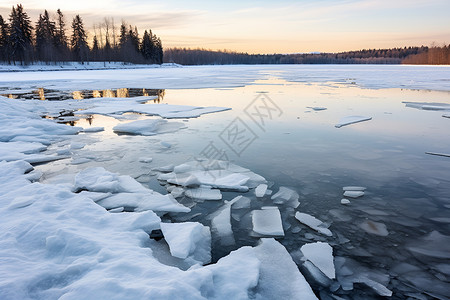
x,y
240,202
221,225
267,221
127,192
145,159
428,105
190,239
353,194
374,228
351,120
93,129
353,188
313,223
345,201
260,190
204,193
77,145
374,285
321,255
164,169
316,108
279,277
446,115
286,196
149,127
438,154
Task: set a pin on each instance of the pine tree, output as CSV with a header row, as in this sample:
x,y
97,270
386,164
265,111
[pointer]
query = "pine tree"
x,y
4,41
60,36
79,45
95,48
147,46
20,35
46,40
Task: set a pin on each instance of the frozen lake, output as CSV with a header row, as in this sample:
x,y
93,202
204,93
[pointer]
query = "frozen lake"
x,y
282,126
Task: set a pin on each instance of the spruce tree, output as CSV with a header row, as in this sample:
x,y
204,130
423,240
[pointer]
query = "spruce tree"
x,y
78,43
61,38
20,36
46,40
4,40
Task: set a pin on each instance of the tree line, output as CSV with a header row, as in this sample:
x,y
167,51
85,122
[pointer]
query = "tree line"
x,y
406,55
47,41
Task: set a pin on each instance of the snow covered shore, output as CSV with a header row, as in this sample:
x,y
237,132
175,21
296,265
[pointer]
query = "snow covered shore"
x,y
72,66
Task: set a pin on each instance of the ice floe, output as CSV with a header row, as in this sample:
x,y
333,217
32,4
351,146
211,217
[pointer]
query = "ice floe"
x,y
126,192
260,190
351,120
93,129
313,223
428,105
189,239
438,154
279,277
221,225
353,188
149,127
213,173
353,194
286,196
267,221
204,193
321,255
316,108
345,201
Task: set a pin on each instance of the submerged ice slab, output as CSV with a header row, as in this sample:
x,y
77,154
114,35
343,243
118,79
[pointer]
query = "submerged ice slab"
x,y
189,239
321,255
374,228
351,120
434,244
221,225
313,223
267,221
149,127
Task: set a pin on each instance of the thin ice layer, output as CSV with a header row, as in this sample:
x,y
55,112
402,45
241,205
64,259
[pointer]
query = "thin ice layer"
x,y
351,120
149,127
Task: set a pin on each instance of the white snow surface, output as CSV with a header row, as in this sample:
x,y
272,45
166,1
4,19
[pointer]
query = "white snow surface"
x,y
351,120
321,255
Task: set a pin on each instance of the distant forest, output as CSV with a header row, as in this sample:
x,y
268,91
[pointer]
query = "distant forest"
x,y
406,55
47,41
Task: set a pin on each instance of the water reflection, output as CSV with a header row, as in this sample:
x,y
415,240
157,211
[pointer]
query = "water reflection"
x,y
47,94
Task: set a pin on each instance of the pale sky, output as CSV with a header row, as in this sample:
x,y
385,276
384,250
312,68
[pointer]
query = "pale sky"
x,y
283,26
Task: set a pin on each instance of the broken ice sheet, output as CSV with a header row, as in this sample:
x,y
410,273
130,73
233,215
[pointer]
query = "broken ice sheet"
x,y
221,225
204,193
267,221
148,127
321,255
351,120
428,105
286,196
313,223
434,244
189,239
